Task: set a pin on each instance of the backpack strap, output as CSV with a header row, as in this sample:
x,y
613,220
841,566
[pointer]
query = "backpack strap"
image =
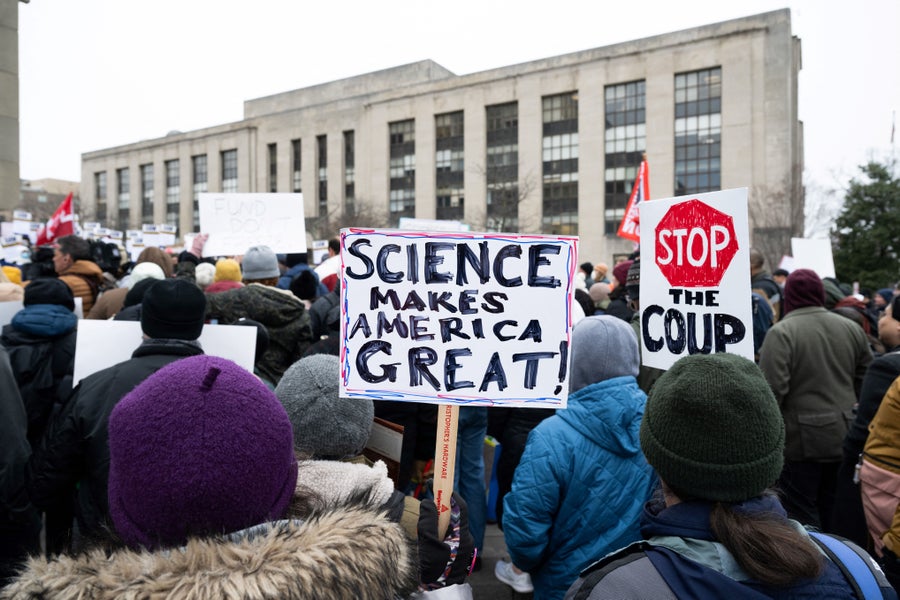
x,y
863,574
593,573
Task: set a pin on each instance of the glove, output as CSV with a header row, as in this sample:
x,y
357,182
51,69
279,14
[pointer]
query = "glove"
x,y
197,244
449,561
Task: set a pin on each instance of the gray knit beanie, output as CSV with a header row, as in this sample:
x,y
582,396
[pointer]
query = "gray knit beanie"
x,y
712,429
325,426
603,347
260,262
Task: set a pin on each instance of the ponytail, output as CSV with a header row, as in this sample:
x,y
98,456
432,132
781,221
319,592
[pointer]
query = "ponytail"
x,y
766,546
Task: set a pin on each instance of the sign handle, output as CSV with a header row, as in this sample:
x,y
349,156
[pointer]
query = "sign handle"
x,y
445,463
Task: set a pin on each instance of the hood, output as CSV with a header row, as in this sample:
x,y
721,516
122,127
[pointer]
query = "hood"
x,y
86,268
608,413
44,320
340,554
272,306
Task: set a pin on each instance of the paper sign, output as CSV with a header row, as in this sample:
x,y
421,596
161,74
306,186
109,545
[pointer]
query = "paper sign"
x,y
695,277
431,224
456,318
235,222
8,310
102,344
813,254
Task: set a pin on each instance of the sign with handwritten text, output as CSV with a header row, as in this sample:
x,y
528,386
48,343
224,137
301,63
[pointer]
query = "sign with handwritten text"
x,y
456,318
235,222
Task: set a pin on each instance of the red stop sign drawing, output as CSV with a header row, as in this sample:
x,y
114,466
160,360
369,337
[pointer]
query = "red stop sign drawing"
x,y
695,244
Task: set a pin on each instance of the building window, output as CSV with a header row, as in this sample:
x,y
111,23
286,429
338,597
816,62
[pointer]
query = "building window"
x,y
100,196
146,194
449,174
295,165
322,175
349,173
502,167
402,145
698,131
200,184
123,197
229,171
173,192
273,168
626,142
560,163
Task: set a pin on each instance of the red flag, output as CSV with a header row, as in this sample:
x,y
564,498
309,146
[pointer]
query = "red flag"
x,y
630,227
59,225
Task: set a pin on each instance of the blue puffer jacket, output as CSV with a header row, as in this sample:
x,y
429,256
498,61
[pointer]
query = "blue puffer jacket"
x,y
284,282
45,320
580,487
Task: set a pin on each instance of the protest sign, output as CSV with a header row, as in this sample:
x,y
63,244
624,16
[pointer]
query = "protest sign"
x,y
8,310
235,222
102,344
815,254
456,318
695,277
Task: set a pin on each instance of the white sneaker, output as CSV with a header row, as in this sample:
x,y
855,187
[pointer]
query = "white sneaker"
x,y
521,582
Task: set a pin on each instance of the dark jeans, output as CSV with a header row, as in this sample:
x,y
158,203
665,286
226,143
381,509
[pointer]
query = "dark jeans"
x,y
807,491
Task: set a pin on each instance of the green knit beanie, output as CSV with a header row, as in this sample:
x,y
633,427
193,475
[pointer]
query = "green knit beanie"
x,y
712,428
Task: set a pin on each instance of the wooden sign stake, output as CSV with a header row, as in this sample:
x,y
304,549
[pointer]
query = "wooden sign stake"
x,y
445,463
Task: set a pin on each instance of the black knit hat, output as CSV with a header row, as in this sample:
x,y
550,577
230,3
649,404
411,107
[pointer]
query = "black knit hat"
x,y
713,430
50,290
173,309
633,279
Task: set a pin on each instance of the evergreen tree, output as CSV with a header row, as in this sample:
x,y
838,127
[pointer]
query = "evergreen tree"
x,y
866,234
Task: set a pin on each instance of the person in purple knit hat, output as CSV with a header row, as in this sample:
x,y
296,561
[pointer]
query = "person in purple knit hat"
x,y
205,501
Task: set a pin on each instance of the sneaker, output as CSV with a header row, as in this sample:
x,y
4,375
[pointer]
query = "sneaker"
x,y
521,582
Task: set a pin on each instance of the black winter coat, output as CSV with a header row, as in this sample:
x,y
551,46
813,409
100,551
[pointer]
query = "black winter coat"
x,y
75,449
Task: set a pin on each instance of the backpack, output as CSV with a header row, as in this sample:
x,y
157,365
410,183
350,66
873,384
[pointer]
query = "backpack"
x,y
862,573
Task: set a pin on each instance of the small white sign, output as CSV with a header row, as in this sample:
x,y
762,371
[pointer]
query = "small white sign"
x,y
102,344
813,254
235,222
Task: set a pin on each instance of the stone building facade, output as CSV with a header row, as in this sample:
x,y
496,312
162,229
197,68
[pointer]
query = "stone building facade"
x,y
549,146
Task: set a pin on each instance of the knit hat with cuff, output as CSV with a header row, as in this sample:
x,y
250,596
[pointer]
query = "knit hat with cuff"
x,y
712,429
200,447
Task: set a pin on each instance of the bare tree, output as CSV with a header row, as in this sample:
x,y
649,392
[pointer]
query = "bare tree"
x,y
358,214
773,216
504,202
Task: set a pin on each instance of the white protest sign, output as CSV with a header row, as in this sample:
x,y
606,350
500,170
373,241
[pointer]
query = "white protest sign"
x,y
236,222
456,318
102,344
813,254
695,277
8,310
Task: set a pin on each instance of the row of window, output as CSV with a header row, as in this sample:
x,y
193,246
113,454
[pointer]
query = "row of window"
x,y
697,160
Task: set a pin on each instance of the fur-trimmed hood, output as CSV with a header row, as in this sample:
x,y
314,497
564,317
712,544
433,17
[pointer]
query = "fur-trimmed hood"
x,y
340,554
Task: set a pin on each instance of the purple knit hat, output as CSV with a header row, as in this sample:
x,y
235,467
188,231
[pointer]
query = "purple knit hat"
x,y
803,288
200,447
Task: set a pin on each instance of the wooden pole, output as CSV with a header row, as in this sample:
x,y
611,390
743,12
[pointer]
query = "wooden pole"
x,y
445,463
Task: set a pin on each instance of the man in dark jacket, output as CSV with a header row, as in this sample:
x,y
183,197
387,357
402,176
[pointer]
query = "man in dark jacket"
x,y
20,524
282,314
74,450
40,340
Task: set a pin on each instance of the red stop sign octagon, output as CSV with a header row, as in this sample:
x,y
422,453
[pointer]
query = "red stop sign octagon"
x,y
695,244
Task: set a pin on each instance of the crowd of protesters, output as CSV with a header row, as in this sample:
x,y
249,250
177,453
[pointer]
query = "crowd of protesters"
x,y
174,473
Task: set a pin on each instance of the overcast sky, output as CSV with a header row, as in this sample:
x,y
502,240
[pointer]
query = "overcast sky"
x,y
100,73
